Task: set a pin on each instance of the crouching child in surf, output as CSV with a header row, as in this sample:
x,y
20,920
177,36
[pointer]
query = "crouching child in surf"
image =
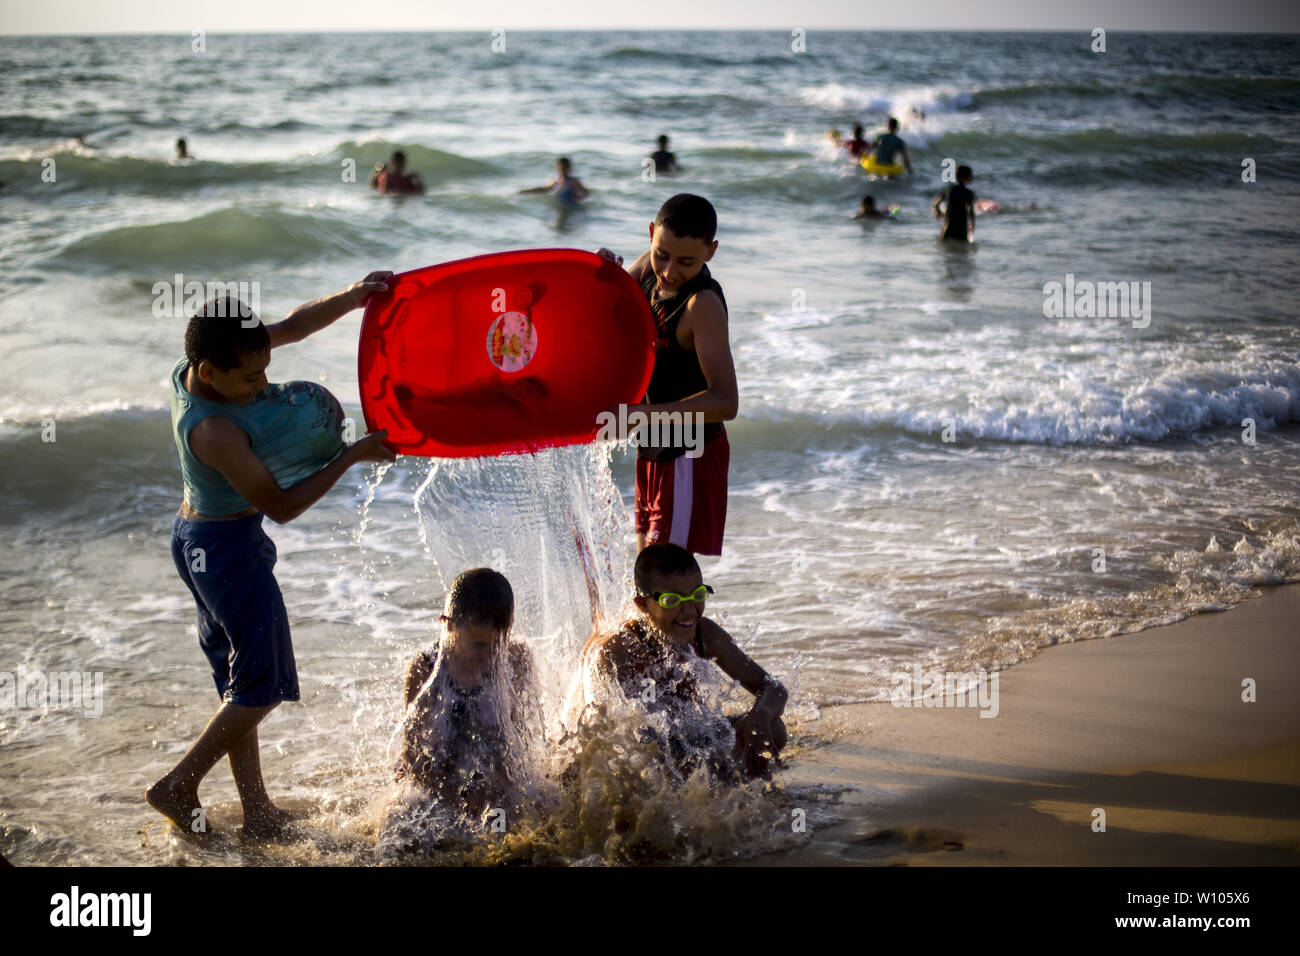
x,y
654,661
472,715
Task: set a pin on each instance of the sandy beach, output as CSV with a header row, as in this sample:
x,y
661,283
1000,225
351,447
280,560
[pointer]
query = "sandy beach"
x,y
1149,727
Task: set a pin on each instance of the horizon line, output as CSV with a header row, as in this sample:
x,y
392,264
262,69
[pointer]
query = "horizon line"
x,y
650,29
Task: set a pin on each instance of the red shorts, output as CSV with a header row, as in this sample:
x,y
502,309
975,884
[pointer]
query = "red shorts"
x,y
685,500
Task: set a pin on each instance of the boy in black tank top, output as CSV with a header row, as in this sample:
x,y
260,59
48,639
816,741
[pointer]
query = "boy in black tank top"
x,y
681,487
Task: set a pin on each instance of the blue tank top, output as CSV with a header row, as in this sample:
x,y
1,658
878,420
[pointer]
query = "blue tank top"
x,y
295,428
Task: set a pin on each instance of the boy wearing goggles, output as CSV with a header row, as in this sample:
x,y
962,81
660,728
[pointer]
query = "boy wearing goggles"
x,y
648,658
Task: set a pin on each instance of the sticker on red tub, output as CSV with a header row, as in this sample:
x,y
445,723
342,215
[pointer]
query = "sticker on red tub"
x,y
511,341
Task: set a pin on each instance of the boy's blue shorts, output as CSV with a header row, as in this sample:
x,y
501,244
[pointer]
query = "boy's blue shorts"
x,y
243,625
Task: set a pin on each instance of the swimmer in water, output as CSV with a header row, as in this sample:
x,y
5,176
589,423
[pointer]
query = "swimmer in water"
x,y
650,659
471,705
958,208
867,210
857,146
888,145
665,161
566,187
182,150
389,179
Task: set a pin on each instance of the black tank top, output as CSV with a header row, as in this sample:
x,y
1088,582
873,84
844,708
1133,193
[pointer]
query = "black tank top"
x,y
677,373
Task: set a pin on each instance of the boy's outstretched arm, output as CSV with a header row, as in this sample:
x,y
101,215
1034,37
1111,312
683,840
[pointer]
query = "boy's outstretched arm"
x,y
736,664
907,161
315,315
757,730
221,444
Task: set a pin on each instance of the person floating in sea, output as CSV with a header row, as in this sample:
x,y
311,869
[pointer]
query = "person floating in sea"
x,y
857,146
182,150
565,187
471,708
247,450
389,179
888,145
867,209
654,659
958,208
665,162
680,498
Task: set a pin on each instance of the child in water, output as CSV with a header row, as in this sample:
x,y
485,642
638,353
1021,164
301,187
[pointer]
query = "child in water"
x,y
390,179
664,160
867,209
958,208
247,450
888,145
471,708
650,660
566,187
857,146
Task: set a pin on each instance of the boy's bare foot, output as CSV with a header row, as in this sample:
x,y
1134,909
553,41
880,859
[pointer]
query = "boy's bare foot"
x,y
177,804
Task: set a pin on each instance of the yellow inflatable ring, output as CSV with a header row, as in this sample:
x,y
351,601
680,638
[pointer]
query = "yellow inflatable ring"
x,y
881,169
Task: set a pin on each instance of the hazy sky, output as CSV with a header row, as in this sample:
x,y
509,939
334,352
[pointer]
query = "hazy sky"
x,y
179,16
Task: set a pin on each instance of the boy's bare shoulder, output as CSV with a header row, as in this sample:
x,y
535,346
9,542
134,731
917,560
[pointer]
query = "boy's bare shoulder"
x,y
705,306
639,266
418,670
215,432
421,660
611,649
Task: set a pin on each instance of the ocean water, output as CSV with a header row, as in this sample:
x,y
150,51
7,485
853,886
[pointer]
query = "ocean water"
x,y
925,467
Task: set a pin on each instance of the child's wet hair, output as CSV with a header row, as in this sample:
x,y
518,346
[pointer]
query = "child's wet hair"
x,y
689,217
663,560
893,125
218,334
481,596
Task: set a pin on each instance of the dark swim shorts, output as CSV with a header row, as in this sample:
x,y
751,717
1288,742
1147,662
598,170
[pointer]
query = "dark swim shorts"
x,y
243,625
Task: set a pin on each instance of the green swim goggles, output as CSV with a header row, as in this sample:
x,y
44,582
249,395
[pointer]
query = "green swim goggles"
x,y
670,599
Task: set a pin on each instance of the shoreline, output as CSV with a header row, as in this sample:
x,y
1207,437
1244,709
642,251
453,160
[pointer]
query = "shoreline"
x,y
1149,727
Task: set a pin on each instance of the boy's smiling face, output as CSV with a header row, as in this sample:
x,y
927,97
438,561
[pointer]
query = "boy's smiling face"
x,y
676,259
241,383
678,624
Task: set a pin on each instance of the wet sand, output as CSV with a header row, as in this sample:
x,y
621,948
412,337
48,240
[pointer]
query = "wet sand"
x,y
1149,727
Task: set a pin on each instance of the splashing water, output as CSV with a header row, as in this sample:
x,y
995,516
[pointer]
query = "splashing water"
x,y
554,524
626,785
371,485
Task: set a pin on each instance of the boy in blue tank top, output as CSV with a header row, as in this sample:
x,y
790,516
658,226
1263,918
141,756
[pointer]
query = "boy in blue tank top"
x,y
681,496
247,449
